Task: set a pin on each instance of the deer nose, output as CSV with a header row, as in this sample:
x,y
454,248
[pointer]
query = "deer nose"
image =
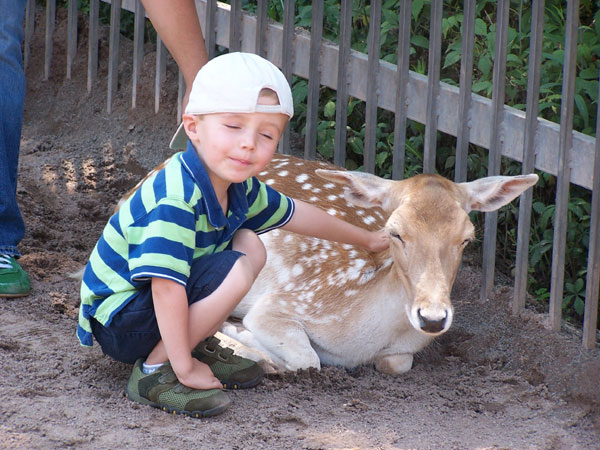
x,y
431,325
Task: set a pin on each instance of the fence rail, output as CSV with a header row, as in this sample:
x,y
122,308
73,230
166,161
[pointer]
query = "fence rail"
x,y
505,131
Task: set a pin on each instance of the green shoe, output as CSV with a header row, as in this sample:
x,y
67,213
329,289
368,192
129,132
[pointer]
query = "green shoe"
x,y
161,389
232,370
14,281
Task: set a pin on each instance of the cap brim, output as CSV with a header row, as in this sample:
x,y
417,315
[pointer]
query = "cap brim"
x,y
180,139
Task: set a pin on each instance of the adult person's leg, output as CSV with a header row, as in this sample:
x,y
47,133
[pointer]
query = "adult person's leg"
x,y
14,282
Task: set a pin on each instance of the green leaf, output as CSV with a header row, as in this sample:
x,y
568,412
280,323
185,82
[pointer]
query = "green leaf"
x,y
420,41
480,27
485,65
451,58
329,110
582,108
417,6
579,306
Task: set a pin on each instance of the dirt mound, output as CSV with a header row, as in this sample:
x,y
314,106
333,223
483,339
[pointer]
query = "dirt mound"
x,y
493,381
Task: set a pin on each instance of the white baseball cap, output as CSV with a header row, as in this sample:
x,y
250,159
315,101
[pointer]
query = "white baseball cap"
x,y
231,83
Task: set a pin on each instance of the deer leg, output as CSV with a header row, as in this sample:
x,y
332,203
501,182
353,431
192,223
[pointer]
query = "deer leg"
x,y
282,339
394,364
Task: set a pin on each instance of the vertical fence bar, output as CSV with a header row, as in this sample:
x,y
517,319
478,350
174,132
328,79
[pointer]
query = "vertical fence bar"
x,y
400,118
370,145
235,26
433,86
113,52
50,24
466,81
496,144
314,81
210,28
29,29
180,94
93,44
138,49
71,36
261,27
531,121
341,103
287,53
564,165
592,283
160,72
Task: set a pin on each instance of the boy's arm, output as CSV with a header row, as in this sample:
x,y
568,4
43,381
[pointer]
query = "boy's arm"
x,y
171,309
312,221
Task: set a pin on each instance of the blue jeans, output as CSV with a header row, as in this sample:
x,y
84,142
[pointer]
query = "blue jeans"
x,y
12,97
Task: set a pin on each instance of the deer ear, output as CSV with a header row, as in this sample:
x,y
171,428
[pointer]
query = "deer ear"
x,y
362,189
491,193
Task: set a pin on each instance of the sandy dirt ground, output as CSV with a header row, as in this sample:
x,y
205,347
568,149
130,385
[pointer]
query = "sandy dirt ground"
x,y
492,382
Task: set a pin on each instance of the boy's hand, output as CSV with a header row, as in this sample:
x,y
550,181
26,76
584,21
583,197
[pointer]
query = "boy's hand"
x,y
198,376
379,241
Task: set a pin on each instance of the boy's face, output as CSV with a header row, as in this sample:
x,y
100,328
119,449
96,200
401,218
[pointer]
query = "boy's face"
x,y
235,147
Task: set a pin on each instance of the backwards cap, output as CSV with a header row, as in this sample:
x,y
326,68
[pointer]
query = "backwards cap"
x,y
231,83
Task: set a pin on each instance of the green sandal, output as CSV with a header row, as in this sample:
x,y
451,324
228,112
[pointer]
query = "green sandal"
x,y
161,389
235,372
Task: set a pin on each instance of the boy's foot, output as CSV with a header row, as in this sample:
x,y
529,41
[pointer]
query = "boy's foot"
x,y
161,389
235,372
14,281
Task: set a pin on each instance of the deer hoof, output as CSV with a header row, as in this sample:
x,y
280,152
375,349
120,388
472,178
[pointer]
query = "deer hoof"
x,y
394,364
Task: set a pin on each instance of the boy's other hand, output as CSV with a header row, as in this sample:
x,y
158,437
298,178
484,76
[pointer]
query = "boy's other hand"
x,y
198,376
379,241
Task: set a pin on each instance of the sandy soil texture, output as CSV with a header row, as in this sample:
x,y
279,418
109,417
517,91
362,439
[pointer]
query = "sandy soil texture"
x,y
493,381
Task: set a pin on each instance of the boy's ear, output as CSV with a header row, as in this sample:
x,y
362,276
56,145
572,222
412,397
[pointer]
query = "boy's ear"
x,y
191,126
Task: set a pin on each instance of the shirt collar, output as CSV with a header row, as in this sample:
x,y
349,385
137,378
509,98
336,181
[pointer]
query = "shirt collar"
x,y
238,202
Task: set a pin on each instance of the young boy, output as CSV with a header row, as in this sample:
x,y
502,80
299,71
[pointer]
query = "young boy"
x,y
183,250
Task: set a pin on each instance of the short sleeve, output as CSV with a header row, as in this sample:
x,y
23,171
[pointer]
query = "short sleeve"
x,y
268,208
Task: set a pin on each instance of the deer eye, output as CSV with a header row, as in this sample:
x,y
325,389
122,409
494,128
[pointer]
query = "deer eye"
x,y
397,236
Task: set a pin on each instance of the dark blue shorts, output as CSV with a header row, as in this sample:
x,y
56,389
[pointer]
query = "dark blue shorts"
x,y
133,331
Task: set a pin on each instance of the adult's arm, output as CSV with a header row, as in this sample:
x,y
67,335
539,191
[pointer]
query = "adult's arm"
x,y
177,24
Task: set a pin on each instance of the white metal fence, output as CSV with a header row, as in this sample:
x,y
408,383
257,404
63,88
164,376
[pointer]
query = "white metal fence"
x,y
522,136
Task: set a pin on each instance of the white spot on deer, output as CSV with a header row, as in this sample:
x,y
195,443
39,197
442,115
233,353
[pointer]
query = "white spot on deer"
x,y
360,212
328,186
369,220
306,186
270,181
316,190
331,212
302,178
314,199
288,237
283,173
350,292
282,163
263,173
332,197
297,270
288,287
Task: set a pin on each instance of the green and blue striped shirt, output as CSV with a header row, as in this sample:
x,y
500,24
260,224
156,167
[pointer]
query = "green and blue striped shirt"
x,y
171,220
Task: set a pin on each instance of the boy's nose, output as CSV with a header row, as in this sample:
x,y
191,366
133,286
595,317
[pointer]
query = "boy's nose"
x,y
248,140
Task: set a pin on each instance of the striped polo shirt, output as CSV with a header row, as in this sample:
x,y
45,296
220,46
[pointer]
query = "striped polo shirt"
x,y
171,220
